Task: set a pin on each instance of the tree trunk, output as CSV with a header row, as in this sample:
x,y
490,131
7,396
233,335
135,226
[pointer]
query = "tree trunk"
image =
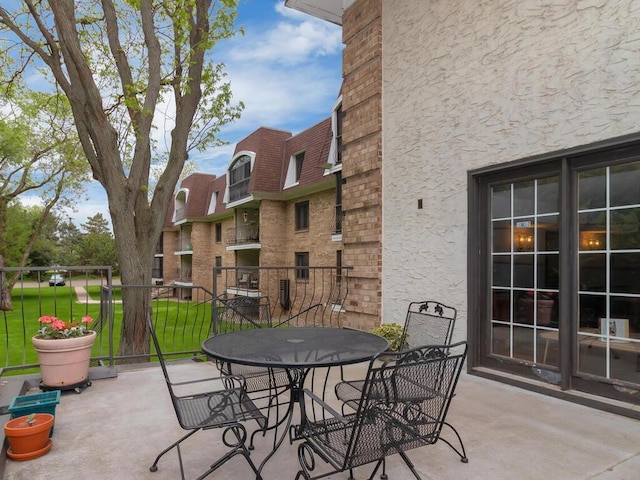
x,y
137,220
6,304
135,242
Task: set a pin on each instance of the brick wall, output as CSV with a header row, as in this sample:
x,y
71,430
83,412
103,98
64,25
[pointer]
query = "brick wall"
x,y
170,262
203,261
362,160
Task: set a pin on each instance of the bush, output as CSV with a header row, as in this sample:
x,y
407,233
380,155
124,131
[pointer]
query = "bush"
x,y
392,332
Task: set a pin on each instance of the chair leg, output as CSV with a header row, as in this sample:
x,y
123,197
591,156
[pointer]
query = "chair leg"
x,y
274,404
462,452
237,448
380,462
176,445
383,475
409,464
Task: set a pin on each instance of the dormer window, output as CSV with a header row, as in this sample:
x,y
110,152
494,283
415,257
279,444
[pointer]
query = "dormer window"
x,y
239,176
294,171
335,151
299,158
180,205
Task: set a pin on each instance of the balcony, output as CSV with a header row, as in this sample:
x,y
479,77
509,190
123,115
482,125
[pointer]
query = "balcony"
x,y
243,237
508,433
183,276
182,247
505,429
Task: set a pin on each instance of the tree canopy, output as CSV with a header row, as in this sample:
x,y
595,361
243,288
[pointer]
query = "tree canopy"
x,y
126,68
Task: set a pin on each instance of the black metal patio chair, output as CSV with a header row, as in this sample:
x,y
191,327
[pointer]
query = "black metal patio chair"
x,y
426,323
404,405
264,385
244,313
206,403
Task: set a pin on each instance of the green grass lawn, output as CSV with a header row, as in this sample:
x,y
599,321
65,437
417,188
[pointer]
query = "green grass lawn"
x,y
181,326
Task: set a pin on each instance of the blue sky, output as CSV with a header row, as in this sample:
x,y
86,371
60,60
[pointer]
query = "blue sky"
x,y
286,68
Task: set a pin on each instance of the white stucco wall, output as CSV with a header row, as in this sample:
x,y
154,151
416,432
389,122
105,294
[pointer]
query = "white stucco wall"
x,y
469,83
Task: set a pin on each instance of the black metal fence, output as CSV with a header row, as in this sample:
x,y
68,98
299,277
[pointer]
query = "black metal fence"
x,y
66,292
294,296
274,296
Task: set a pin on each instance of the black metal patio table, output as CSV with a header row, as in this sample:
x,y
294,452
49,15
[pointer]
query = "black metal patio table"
x,y
296,349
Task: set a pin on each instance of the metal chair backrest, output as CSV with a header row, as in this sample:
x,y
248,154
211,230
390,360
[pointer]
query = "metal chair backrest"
x,y
428,323
240,313
404,402
165,371
205,403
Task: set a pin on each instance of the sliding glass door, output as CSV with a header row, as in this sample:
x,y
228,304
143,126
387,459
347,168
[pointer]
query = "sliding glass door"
x,y
560,252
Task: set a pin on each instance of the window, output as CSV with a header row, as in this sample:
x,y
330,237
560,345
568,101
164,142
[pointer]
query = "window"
x,y
338,267
218,232
338,207
294,170
525,264
339,116
218,265
157,267
558,241
239,176
299,159
302,215
302,260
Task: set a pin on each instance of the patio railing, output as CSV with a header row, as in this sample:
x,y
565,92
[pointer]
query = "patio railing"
x,y
294,296
310,296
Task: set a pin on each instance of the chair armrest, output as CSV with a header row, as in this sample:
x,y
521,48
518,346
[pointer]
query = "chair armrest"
x,y
316,400
237,380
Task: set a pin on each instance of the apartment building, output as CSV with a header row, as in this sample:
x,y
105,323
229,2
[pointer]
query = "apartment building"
x,y
278,204
501,144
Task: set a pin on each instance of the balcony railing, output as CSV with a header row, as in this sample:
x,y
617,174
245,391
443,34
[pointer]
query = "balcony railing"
x,y
87,293
183,275
182,245
312,296
182,321
243,235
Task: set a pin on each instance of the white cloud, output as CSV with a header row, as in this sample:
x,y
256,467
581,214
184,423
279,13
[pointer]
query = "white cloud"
x,y
214,161
287,72
297,39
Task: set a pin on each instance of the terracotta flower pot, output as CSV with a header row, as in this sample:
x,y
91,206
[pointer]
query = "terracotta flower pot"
x,y
64,361
28,438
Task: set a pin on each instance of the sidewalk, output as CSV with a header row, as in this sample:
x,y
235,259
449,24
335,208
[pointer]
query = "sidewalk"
x,y
115,428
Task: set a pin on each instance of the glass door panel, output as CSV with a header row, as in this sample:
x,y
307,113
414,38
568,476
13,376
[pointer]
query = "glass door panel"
x,y
608,340
525,270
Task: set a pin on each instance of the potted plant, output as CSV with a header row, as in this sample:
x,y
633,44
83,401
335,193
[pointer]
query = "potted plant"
x,y
393,333
64,351
28,436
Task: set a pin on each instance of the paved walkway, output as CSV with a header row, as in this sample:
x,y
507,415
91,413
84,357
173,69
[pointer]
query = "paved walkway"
x,y
115,428
83,296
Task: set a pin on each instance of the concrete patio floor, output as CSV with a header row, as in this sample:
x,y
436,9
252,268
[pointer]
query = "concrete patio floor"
x,y
115,428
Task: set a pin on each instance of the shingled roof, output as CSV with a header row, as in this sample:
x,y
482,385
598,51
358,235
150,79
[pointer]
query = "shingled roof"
x,y
315,142
268,145
198,198
273,149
